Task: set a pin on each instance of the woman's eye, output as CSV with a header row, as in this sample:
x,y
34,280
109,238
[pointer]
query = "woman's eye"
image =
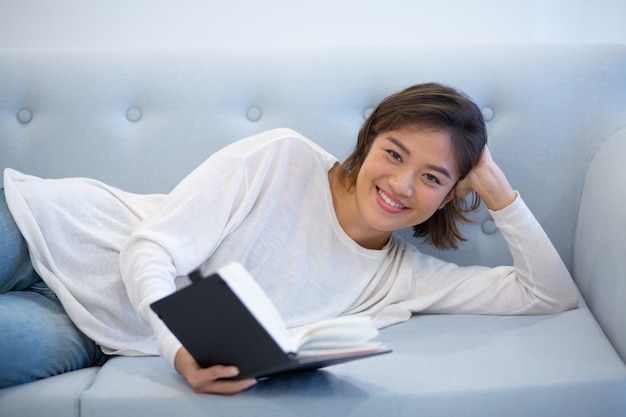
x,y
395,155
432,178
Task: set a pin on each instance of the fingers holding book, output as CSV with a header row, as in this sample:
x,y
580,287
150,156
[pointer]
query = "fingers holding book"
x,y
211,380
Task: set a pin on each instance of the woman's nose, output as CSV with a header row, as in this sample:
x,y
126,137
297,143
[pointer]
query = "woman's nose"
x,y
402,184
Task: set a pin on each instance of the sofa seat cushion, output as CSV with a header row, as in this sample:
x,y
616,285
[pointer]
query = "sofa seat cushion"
x,y
445,365
51,397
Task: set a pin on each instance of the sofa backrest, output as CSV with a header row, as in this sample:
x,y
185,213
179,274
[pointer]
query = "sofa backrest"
x,y
600,245
142,119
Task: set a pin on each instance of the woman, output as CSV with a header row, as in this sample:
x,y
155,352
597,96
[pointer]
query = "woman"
x,y
316,234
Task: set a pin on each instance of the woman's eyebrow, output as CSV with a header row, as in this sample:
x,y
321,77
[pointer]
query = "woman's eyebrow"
x,y
441,170
404,149
398,144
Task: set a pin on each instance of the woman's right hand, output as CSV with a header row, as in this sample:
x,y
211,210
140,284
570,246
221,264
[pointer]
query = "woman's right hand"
x,y
209,380
489,182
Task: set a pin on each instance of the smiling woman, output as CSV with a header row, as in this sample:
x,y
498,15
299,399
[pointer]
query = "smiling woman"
x,y
454,122
315,234
405,178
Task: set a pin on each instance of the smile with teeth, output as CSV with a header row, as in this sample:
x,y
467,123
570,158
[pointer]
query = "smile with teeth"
x,y
389,201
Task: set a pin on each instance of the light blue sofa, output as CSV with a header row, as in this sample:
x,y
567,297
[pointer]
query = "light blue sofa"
x,y
142,119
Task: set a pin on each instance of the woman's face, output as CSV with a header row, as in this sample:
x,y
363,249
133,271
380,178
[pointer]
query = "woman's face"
x,y
407,175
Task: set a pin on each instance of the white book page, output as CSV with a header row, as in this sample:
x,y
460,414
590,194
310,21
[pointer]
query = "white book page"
x,y
340,333
254,298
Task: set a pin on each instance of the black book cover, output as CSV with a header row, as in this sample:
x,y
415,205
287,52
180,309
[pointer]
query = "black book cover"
x,y
217,328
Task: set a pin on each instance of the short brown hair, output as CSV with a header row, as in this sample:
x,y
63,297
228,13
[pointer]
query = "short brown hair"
x,y
432,106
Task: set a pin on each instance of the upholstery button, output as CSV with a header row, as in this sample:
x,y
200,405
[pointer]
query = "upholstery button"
x,y
133,114
488,227
24,116
254,114
367,113
487,114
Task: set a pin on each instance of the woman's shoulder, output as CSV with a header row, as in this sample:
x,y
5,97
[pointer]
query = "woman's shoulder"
x,y
276,141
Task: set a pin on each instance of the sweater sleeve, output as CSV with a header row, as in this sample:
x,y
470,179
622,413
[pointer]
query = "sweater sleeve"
x,y
192,222
182,233
537,283
179,235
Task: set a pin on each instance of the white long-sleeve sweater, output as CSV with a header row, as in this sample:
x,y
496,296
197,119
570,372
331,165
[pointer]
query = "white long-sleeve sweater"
x,y
264,201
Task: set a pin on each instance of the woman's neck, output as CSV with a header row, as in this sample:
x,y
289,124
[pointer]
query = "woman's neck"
x,y
348,214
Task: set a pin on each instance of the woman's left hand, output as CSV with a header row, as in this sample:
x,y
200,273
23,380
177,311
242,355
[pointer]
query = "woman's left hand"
x,y
489,182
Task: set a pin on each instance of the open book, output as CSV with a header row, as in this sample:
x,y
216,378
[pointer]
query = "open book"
x,y
227,319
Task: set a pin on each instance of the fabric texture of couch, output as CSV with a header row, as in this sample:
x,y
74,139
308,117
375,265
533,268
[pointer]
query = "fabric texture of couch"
x,y
142,119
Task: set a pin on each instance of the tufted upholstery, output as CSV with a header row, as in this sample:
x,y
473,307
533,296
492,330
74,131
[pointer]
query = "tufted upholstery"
x,y
142,119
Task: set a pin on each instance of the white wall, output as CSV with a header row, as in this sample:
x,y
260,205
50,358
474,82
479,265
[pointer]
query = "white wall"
x,y
138,23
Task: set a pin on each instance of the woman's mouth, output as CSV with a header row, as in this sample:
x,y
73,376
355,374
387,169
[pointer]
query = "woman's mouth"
x,y
389,204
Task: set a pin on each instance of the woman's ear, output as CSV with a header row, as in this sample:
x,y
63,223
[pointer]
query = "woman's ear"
x,y
448,198
462,188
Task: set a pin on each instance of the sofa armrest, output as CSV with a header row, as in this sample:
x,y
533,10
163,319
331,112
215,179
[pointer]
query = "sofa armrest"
x,y
599,263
